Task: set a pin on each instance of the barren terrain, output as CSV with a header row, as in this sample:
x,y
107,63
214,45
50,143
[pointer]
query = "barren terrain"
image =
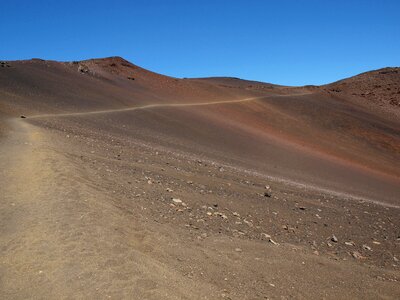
x,y
122,183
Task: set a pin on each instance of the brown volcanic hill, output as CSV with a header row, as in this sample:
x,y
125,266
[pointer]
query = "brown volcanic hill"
x,y
333,127
378,88
123,183
47,86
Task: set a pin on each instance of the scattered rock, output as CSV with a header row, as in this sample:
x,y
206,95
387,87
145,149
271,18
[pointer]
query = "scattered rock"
x,y
22,117
268,194
238,250
223,216
248,223
273,242
366,247
351,243
176,200
357,255
83,69
266,236
4,64
334,239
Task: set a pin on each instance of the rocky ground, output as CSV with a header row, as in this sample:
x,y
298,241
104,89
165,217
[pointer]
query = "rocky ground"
x,y
146,222
206,196
114,188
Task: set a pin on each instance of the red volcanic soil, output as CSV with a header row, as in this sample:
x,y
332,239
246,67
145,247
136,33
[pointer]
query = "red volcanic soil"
x,y
124,183
379,89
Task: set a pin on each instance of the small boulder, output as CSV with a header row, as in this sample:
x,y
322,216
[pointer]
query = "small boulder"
x,y
176,200
273,242
83,69
357,255
268,194
366,247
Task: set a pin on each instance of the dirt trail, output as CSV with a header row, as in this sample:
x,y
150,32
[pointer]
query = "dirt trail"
x,y
296,183
304,185
141,206
61,239
299,184
154,106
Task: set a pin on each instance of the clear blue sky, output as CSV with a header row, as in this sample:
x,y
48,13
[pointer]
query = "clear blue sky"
x,y
290,42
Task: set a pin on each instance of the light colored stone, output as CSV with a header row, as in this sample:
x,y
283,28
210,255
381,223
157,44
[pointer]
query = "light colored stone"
x,y
176,200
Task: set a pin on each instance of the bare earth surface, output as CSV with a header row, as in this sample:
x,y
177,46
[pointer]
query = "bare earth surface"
x,y
126,184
